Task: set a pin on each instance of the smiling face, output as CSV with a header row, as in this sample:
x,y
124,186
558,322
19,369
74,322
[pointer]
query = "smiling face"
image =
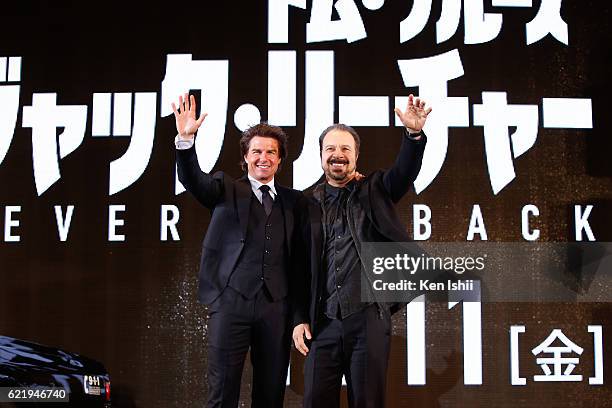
x,y
339,157
262,158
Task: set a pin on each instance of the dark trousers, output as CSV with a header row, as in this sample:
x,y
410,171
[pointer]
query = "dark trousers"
x,y
235,324
358,347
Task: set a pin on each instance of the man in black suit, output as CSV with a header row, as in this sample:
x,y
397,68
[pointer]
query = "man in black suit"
x,y
246,261
350,337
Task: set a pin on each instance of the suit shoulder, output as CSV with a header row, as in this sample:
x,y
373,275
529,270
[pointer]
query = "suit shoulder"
x,y
289,191
374,177
221,175
225,178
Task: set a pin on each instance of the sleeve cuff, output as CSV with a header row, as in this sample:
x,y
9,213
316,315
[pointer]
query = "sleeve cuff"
x,y
414,136
183,144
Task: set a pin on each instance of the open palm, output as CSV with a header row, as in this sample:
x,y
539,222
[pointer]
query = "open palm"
x,y
415,115
186,123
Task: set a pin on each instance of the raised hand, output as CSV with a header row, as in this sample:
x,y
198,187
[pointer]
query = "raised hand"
x,y
415,115
186,123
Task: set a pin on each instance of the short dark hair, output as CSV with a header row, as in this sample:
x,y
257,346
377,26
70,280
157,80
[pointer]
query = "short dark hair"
x,y
264,130
342,127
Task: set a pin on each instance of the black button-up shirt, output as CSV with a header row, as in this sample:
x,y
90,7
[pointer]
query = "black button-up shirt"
x,y
341,295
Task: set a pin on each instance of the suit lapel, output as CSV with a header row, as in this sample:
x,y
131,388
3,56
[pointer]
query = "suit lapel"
x,y
287,203
243,202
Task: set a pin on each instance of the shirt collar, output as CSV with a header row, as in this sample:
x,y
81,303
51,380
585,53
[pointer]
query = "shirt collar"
x,y
255,184
334,191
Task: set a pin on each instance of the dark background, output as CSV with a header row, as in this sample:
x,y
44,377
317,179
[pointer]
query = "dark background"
x,y
132,305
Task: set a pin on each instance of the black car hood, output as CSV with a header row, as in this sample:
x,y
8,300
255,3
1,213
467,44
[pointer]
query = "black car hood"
x,y
24,356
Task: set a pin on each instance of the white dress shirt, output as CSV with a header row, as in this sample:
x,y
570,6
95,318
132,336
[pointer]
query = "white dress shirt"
x,y
255,184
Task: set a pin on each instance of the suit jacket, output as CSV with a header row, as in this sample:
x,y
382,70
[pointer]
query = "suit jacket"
x,y
229,202
378,193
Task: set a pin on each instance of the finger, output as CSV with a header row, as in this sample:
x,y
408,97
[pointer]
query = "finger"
x,y
427,111
301,346
307,333
174,110
417,102
201,119
192,108
422,104
181,104
398,112
410,101
185,102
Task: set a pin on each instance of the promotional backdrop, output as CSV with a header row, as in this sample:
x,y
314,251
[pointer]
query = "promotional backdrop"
x,y
100,244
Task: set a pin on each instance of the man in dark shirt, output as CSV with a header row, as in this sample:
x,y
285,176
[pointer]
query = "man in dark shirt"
x,y
350,337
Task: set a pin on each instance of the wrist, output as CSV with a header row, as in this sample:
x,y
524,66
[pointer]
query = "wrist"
x,y
413,135
183,144
186,136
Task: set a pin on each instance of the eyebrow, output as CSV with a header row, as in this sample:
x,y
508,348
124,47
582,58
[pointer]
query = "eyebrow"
x,y
261,149
331,145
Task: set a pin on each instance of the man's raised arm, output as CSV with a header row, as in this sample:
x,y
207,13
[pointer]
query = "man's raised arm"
x,y
207,189
400,177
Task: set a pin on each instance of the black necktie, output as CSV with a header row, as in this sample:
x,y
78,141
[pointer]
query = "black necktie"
x,y
266,198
